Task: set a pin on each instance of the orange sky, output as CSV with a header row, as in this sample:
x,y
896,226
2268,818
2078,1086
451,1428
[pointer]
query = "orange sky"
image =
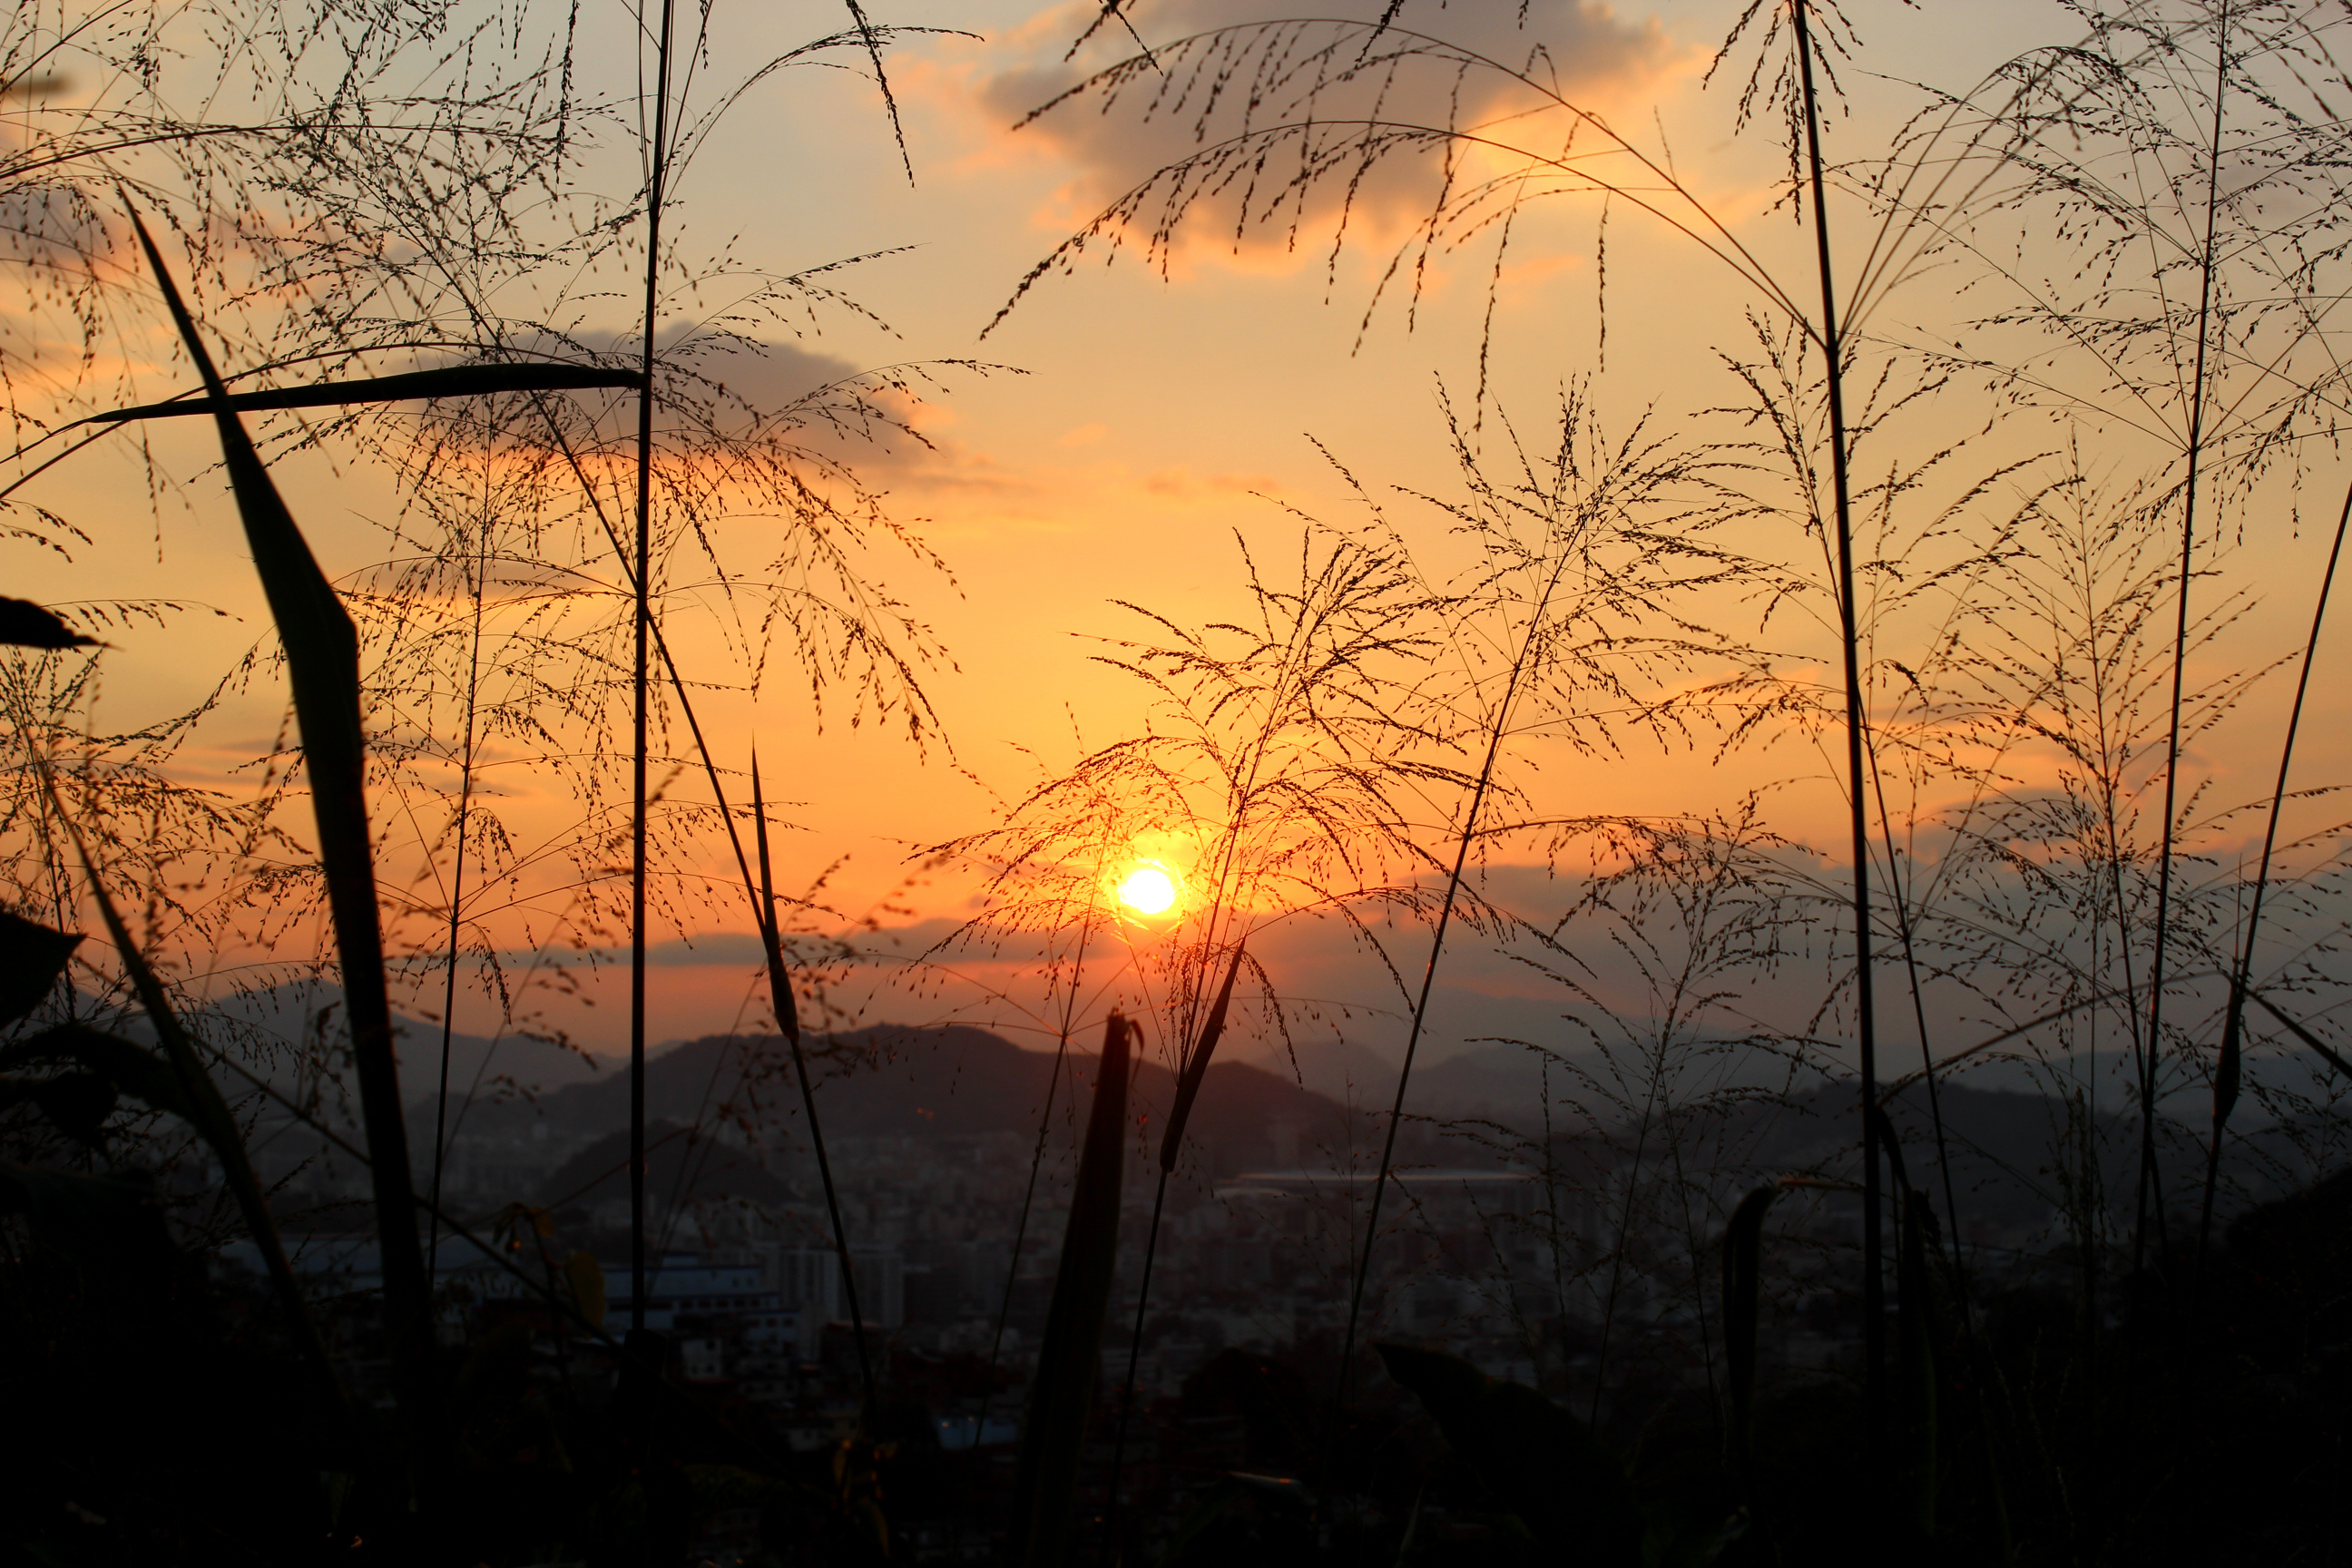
x,y
1156,417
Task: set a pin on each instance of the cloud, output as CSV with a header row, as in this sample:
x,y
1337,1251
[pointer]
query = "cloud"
x,y
1258,212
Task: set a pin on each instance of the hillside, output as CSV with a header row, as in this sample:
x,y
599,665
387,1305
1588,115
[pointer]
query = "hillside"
x,y
947,1082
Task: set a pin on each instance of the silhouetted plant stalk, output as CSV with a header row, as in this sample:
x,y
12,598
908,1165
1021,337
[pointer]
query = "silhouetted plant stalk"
x,y
2149,1190
657,166
1069,1358
1874,1285
2181,309
2228,1068
1586,554
322,661
780,989
1295,67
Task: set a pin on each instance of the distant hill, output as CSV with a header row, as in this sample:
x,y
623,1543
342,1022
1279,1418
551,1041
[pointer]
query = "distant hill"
x,y
949,1081
675,1161
269,1029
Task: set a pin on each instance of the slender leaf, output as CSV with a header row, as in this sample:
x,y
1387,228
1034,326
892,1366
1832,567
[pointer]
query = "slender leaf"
x,y
1196,1067
455,380
32,956
2326,1052
322,661
779,986
24,624
1538,1460
2228,1070
1743,1257
1069,1359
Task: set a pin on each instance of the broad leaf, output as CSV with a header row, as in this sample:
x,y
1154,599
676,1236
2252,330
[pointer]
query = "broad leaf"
x,y
32,956
24,624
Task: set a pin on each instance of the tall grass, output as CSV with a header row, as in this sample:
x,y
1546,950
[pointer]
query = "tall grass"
x,y
1358,746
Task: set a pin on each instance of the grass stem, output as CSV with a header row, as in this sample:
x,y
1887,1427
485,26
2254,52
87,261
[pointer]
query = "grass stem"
x,y
1874,1286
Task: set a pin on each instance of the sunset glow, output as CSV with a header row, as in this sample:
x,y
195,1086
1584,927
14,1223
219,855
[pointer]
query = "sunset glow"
x,y
1149,889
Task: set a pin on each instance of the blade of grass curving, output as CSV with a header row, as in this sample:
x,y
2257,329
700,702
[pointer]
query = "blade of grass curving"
x,y
2327,1053
322,665
872,39
1743,1251
1196,1066
1500,726
1188,1088
788,1020
2206,267
1874,1330
656,170
1069,1359
2227,1070
453,381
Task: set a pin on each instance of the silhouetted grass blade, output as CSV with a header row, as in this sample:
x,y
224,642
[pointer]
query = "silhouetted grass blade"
x,y
2326,1052
1743,1253
1538,1460
453,381
780,983
322,664
24,624
1069,1359
1196,1067
32,956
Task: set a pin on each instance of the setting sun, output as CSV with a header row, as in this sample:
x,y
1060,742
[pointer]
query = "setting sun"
x,y
1149,890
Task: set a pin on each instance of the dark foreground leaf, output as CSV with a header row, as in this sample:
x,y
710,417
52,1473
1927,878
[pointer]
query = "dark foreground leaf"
x,y
24,624
1743,1246
32,956
322,664
456,381
1054,1439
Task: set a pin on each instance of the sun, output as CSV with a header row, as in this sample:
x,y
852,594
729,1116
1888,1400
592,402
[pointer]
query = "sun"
x,y
1149,889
